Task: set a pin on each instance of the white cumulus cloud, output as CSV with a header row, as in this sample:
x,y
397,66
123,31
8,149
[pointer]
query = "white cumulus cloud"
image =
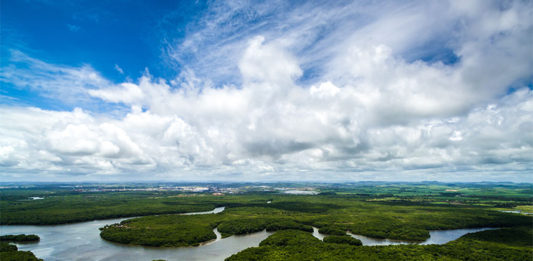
x,y
341,94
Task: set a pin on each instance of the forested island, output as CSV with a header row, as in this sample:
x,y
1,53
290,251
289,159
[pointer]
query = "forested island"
x,y
10,252
21,238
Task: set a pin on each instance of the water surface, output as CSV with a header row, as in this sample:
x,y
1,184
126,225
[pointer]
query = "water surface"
x,y
301,192
516,212
318,234
438,237
214,211
81,241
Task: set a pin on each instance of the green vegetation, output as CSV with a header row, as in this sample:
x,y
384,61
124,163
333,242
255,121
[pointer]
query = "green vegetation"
x,y
77,207
289,238
165,230
345,239
332,230
179,230
10,252
514,244
6,247
19,238
395,211
67,204
521,236
245,226
338,214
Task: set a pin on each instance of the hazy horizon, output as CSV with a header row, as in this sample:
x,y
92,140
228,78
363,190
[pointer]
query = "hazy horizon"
x,y
274,91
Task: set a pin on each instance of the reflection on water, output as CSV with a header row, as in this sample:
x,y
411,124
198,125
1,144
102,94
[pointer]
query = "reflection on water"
x,y
368,241
438,237
219,237
300,192
214,211
317,234
81,241
516,212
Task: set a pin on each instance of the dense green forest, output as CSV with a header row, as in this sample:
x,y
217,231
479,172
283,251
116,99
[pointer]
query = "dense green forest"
x,y
22,238
344,239
502,244
9,252
68,208
64,205
333,215
393,211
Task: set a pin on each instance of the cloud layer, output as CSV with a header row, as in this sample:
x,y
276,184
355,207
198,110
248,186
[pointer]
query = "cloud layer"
x,y
349,92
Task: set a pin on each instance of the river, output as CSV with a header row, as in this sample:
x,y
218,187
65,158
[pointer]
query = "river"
x,y
438,237
81,241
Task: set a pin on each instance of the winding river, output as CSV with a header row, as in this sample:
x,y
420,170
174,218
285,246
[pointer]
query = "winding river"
x,y
81,241
438,237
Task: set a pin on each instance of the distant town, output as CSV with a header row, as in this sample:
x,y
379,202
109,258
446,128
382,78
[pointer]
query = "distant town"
x,y
215,189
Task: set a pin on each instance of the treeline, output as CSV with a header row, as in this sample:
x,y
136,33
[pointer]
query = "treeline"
x,y
249,214
10,252
161,231
520,236
56,218
293,245
77,208
300,206
175,230
412,223
245,226
332,230
21,238
345,239
333,215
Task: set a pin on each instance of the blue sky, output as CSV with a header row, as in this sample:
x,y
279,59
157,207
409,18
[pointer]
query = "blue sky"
x,y
122,39
266,91
130,34
119,39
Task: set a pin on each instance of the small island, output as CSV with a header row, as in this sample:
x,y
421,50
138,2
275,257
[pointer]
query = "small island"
x,y
344,239
21,238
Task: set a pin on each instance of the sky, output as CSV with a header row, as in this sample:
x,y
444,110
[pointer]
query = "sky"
x,y
266,91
